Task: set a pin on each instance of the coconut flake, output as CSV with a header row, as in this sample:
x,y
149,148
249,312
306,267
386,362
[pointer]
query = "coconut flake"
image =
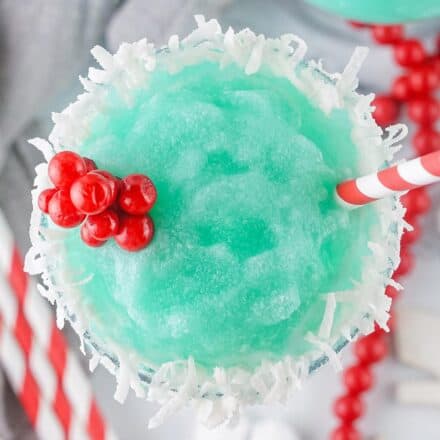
x,y
325,347
329,314
348,80
44,146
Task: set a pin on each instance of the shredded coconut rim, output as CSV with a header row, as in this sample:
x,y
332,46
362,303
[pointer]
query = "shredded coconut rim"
x,y
218,396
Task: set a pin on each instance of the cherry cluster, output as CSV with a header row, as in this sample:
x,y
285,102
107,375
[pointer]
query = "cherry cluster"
x,y
104,205
414,88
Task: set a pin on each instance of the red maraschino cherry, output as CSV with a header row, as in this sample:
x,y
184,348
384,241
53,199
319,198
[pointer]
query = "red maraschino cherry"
x,y
88,238
44,199
104,225
137,194
115,183
62,212
90,164
92,193
104,205
65,167
135,232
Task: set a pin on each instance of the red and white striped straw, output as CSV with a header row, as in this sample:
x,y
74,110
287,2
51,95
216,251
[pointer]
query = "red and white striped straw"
x,y
403,177
45,375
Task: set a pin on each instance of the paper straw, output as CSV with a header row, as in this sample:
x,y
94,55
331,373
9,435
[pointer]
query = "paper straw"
x,y
403,177
45,375
16,364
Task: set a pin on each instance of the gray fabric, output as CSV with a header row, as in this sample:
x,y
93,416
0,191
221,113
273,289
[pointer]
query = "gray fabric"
x,y
157,20
44,45
5,431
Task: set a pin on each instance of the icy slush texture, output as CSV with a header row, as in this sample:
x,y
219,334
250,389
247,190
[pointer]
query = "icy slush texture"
x,y
248,238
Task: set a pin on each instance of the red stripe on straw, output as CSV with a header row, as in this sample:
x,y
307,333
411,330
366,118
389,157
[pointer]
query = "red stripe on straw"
x,y
62,409
95,427
349,191
23,332
391,178
24,335
59,415
17,278
30,396
421,171
431,163
57,352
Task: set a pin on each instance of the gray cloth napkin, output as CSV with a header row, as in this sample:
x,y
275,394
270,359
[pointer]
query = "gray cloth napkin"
x,y
44,44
